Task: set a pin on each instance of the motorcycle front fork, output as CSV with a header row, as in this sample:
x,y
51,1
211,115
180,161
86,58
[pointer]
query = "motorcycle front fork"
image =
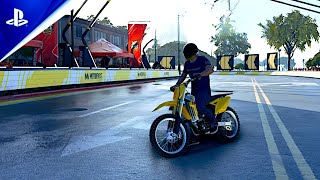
x,y
177,122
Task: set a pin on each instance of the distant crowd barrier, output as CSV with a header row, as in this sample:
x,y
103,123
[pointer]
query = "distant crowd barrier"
x,y
37,78
310,74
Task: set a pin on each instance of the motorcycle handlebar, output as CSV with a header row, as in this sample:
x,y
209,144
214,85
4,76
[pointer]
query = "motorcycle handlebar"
x,y
190,80
186,83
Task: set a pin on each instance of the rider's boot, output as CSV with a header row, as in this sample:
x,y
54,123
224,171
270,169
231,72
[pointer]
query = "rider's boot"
x,y
213,125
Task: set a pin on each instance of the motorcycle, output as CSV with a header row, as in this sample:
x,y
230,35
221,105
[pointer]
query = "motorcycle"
x,y
172,134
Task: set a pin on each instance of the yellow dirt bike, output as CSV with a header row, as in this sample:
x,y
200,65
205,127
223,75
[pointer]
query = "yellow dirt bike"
x,y
172,134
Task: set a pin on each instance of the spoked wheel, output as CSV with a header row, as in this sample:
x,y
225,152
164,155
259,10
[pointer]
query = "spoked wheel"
x,y
229,134
165,141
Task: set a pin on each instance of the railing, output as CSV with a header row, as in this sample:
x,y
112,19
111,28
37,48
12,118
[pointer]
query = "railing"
x,y
3,68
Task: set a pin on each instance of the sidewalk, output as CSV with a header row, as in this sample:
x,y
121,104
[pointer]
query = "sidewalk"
x,y
309,74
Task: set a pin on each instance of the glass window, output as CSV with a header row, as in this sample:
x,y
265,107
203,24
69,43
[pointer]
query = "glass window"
x,y
88,34
78,31
96,35
99,35
104,36
108,37
116,40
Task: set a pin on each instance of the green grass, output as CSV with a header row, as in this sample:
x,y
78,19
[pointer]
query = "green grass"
x,y
224,73
241,73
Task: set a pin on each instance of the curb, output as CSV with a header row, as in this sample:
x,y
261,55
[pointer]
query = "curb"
x,y
251,73
62,91
311,74
305,74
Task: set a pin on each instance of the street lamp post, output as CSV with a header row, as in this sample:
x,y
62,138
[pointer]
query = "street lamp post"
x,y
179,45
155,46
279,59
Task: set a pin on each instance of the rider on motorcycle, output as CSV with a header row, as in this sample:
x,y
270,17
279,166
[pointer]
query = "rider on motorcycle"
x,y
200,68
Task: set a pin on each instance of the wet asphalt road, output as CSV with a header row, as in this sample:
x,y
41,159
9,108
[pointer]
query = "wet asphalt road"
x,y
103,134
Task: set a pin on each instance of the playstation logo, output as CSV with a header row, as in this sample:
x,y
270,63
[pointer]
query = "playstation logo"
x,y
17,18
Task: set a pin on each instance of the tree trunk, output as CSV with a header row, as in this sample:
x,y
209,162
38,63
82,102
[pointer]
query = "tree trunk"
x,y
289,59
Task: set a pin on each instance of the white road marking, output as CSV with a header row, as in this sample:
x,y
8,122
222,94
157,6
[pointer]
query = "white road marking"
x,y
83,143
303,166
109,136
105,109
142,125
277,163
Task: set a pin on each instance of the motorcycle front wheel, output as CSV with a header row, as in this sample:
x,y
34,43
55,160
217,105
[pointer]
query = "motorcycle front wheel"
x,y
167,143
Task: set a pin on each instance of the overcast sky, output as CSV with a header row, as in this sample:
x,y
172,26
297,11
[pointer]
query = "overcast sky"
x,y
197,17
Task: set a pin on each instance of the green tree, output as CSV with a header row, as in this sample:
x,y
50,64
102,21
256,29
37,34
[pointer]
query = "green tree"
x,y
228,41
151,51
314,62
90,18
171,49
122,28
283,61
105,21
237,61
239,66
292,32
157,45
310,63
23,53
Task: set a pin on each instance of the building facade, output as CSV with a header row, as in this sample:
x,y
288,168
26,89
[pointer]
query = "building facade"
x,y
52,36
117,36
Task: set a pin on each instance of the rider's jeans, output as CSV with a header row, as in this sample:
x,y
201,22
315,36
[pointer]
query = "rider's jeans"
x,y
202,99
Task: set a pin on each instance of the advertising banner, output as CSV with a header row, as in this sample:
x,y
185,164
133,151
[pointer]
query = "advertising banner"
x,y
136,33
23,20
251,62
225,62
272,61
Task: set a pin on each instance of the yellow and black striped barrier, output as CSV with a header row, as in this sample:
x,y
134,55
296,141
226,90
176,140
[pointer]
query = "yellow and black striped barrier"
x,y
25,79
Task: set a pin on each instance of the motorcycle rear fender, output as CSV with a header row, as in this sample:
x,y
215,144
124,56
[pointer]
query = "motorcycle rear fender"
x,y
221,104
174,103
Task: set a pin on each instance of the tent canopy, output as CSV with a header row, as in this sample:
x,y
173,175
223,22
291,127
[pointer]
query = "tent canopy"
x,y
103,48
34,43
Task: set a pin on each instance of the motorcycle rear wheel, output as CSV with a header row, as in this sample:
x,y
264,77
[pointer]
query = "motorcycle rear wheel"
x,y
225,135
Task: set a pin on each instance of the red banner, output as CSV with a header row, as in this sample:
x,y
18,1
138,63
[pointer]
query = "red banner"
x,y
49,37
135,36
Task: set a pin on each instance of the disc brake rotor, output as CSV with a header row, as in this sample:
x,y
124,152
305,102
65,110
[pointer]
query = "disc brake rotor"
x,y
172,137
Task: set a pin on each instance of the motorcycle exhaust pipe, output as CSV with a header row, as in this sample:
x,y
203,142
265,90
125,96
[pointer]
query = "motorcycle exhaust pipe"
x,y
227,125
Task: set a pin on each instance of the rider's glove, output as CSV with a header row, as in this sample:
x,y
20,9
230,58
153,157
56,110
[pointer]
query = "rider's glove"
x,y
197,76
173,87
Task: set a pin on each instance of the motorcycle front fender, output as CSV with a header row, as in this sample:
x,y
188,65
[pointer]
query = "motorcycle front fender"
x,y
174,103
168,103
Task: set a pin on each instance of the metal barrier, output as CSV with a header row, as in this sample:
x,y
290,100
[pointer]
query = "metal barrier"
x,y
21,78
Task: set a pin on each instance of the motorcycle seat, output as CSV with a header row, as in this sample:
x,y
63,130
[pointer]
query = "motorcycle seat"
x,y
214,97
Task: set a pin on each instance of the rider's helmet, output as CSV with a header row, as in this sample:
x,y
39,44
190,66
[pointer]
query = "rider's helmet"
x,y
189,50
